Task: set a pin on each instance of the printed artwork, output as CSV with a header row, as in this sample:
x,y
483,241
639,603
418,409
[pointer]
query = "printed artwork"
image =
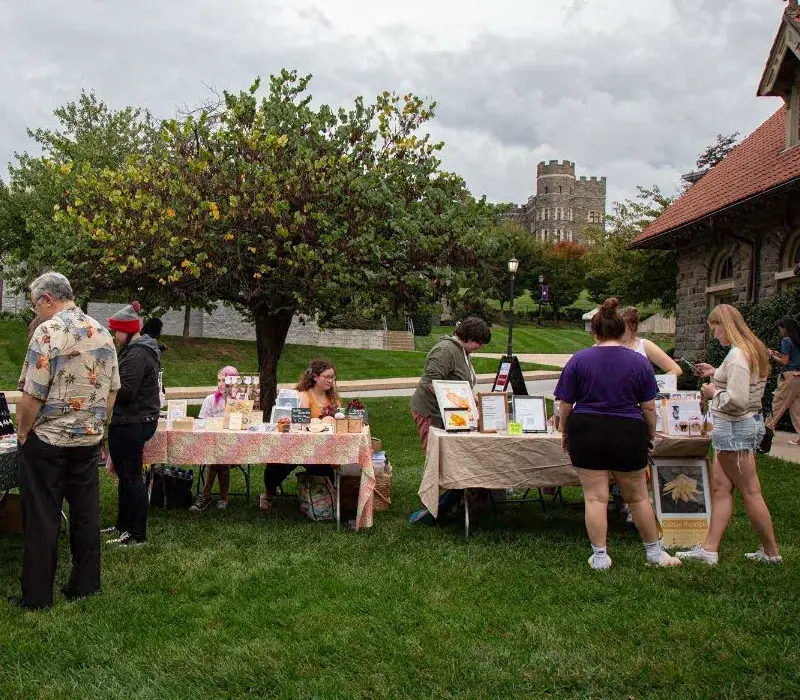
x,y
243,388
456,395
682,489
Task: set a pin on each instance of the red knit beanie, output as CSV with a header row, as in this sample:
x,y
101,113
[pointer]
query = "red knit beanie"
x,y
127,320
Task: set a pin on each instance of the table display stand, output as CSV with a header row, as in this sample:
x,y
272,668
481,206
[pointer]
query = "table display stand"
x,y
558,497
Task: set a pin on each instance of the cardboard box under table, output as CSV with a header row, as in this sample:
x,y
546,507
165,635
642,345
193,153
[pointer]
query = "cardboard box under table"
x,y
502,461
245,447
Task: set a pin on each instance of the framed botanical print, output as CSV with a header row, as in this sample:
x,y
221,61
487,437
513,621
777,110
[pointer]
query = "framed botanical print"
x,y
456,395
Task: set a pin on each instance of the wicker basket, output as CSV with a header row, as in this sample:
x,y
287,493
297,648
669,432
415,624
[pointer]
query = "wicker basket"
x,y
349,487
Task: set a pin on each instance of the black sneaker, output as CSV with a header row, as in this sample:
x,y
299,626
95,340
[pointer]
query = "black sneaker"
x,y
200,503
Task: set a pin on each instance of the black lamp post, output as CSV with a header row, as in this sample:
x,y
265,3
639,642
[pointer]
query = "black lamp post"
x,y
541,282
513,266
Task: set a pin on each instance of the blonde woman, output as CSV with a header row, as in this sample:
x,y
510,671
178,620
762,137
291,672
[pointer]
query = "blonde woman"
x,y
735,391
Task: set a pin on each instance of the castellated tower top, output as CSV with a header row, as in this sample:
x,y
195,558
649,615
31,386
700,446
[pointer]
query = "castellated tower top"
x,y
555,167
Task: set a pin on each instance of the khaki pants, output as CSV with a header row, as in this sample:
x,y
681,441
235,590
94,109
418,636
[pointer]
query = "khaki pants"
x,y
786,397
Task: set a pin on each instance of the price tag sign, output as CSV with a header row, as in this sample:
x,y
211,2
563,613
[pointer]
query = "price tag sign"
x,y
301,415
514,428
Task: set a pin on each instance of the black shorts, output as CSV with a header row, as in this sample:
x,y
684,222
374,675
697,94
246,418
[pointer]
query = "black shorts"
x,y
607,443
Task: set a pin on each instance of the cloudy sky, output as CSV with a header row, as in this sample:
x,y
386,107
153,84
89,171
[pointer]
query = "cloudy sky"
x,y
630,89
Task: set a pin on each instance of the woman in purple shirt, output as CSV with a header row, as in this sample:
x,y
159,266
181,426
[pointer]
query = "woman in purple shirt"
x,y
608,419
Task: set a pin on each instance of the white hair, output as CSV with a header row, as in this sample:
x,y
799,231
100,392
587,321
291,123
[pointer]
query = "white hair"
x,y
54,284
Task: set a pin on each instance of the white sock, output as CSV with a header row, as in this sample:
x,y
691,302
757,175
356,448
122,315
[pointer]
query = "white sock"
x,y
653,550
601,558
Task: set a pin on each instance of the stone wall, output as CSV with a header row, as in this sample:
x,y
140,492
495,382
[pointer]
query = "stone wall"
x,y
226,322
695,293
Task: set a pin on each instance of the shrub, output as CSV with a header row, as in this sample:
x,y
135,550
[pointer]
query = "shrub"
x,y
423,323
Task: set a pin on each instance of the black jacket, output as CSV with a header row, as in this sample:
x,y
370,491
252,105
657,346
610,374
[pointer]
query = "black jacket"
x,y
138,400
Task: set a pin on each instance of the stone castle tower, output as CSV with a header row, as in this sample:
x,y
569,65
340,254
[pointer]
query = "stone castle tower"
x,y
563,205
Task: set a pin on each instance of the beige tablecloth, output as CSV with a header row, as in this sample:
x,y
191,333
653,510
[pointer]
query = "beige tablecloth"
x,y
501,461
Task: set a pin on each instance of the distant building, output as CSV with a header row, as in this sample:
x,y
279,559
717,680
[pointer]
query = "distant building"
x,y
563,205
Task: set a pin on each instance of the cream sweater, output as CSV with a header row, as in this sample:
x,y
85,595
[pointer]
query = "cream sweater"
x,y
740,389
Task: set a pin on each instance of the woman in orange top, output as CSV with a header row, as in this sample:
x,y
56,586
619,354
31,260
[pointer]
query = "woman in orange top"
x,y
317,390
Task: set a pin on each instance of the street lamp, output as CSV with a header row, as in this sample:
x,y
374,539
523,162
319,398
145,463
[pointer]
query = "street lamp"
x,y
541,282
513,266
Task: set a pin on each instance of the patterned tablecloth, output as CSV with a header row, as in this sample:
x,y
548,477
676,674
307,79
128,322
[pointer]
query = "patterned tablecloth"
x,y
244,447
502,461
9,469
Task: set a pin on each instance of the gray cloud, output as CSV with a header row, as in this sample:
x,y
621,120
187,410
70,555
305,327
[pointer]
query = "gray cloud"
x,y
635,103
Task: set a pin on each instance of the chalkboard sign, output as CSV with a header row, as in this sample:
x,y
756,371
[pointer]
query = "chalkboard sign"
x,y
301,415
358,413
6,426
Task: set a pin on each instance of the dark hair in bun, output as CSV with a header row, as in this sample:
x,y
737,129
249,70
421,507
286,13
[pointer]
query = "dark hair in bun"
x,y
607,324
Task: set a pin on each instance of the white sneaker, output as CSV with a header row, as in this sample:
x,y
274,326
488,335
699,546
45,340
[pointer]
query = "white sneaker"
x,y
698,553
602,565
122,539
222,505
108,531
759,555
664,559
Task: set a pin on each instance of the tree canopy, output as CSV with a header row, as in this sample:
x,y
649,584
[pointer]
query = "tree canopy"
x,y
278,207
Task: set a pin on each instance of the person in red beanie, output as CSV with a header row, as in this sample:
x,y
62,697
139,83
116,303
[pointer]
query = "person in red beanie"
x,y
133,422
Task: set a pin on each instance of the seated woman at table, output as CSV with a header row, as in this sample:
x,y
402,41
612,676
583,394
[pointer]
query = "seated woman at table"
x,y
448,360
317,389
608,420
214,407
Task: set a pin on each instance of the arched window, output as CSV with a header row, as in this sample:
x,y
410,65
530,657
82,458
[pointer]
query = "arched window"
x,y
721,282
790,259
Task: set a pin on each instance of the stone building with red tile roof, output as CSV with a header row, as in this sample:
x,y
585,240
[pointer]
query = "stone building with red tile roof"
x,y
737,229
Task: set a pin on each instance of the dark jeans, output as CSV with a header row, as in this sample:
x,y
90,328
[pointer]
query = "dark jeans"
x,y
275,473
126,445
47,475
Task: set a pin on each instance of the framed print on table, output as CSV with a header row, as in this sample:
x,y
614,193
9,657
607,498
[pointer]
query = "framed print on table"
x,y
531,412
456,395
682,495
492,412
456,420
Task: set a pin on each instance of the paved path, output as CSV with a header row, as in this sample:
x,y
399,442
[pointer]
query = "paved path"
x,y
540,359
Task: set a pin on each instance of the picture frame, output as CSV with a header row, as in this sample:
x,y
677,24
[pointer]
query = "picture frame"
x,y
456,394
456,420
288,401
492,412
682,417
667,383
531,413
682,497
279,412
176,410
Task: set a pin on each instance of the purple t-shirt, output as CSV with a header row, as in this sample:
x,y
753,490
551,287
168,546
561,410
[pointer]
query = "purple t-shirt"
x,y
610,380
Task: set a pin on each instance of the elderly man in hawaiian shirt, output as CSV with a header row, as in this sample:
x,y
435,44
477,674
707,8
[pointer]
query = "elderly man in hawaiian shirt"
x,y
69,383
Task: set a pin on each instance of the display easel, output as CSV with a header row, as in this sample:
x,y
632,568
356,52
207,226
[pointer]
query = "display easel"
x,y
509,375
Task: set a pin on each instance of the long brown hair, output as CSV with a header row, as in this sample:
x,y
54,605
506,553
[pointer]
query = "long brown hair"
x,y
630,314
309,378
740,336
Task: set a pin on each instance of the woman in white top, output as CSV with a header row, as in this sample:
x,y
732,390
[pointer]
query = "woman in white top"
x,y
646,347
735,390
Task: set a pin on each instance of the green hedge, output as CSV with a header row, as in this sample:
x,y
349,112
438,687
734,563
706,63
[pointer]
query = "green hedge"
x,y
763,317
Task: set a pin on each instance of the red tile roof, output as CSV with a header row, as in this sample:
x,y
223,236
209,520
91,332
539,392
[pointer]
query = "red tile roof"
x,y
756,165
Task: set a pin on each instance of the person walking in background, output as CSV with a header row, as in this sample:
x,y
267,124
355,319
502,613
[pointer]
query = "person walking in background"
x,y
133,422
787,394
735,390
69,385
214,407
606,402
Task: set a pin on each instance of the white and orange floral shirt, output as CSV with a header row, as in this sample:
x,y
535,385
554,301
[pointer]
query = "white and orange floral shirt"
x,y
71,366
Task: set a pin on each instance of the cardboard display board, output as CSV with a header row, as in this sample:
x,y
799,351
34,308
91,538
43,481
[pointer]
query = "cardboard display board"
x,y
243,388
682,496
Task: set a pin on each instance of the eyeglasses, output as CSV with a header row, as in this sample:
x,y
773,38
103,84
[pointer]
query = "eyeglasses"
x,y
331,377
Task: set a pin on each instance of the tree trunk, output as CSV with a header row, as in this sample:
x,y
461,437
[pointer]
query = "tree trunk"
x,y
187,321
271,331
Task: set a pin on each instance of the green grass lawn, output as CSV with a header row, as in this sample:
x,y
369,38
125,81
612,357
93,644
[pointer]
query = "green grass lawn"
x,y
527,339
239,605
195,361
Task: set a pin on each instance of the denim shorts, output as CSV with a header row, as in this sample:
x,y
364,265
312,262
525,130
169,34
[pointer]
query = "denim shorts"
x,y
737,435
